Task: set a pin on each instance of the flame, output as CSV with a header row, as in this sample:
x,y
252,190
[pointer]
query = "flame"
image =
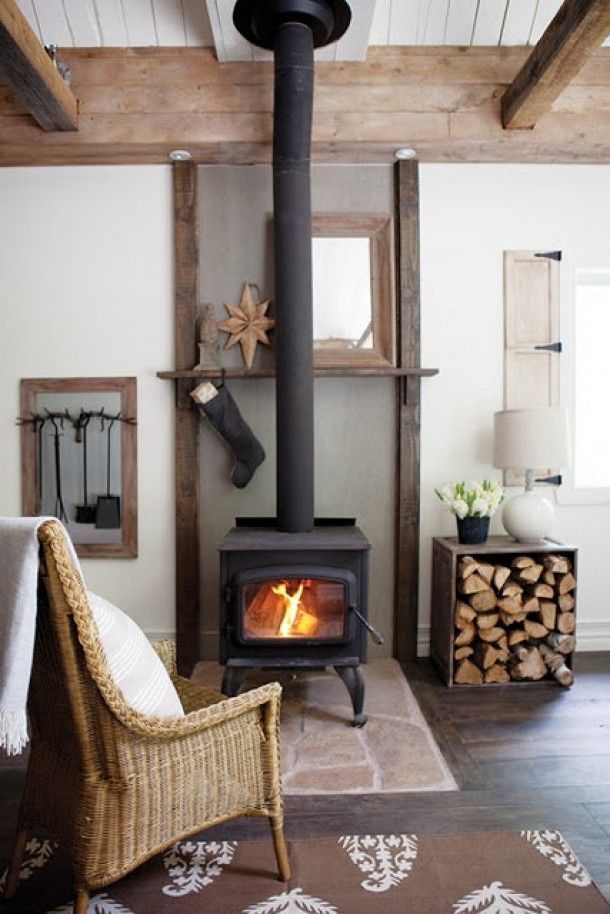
x,y
292,606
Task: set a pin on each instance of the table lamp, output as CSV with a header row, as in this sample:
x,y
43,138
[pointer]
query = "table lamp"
x,y
528,440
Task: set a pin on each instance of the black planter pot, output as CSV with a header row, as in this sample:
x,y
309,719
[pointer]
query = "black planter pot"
x,y
473,530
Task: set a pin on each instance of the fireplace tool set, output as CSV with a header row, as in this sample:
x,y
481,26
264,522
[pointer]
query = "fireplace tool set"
x,y
105,514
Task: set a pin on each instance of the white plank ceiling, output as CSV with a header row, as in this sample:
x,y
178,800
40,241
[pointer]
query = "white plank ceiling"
x,y
142,23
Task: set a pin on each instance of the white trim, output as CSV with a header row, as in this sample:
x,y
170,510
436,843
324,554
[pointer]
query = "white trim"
x,y
590,636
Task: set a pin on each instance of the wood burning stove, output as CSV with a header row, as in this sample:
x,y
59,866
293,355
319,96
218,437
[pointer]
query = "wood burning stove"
x,y
295,601
294,592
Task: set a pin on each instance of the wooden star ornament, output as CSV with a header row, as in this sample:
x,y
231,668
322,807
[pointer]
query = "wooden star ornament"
x,y
247,324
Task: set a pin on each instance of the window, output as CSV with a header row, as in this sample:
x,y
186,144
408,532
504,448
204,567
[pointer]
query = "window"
x,y
592,379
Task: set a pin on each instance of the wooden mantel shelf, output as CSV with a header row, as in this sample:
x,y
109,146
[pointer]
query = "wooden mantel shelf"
x,y
243,373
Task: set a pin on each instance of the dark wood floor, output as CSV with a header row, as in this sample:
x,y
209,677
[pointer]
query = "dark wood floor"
x,y
525,756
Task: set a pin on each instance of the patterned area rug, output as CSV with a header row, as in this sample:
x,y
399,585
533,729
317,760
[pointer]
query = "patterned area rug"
x,y
516,873
323,754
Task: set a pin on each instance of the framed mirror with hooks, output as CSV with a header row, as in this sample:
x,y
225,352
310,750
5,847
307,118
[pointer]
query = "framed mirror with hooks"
x,y
79,460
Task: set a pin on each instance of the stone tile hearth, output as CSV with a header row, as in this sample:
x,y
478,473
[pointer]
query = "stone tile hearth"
x,y
322,753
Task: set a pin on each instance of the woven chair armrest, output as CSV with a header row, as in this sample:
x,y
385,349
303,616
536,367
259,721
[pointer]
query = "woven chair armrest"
x,y
197,721
166,651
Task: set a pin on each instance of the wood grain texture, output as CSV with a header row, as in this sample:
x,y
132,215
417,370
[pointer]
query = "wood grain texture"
x,y
382,371
186,292
408,411
31,73
138,105
127,388
576,31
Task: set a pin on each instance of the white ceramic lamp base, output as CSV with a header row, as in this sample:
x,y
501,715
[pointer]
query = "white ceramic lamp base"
x,y
528,517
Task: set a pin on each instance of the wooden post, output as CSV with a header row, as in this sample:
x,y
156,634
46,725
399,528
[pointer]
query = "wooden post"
x,y
186,285
408,411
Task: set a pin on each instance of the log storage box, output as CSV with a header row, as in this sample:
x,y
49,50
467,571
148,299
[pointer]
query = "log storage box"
x,y
503,612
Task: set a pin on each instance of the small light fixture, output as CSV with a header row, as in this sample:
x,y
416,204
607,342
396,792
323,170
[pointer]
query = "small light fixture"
x,y
405,152
180,155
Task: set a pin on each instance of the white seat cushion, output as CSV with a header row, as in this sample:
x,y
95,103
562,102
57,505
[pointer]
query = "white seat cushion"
x,y
135,666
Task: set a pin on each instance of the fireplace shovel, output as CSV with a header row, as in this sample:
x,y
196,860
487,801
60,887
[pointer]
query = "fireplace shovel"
x,y
85,513
60,511
108,509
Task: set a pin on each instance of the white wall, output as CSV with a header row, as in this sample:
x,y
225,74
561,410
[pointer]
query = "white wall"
x,y
470,215
86,290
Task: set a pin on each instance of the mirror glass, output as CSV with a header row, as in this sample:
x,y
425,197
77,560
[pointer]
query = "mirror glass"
x,y
342,300
80,468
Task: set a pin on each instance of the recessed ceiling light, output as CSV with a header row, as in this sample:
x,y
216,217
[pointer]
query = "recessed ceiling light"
x,y
180,155
405,152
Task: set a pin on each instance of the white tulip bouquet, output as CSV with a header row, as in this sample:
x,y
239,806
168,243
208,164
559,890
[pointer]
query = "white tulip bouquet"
x,y
472,499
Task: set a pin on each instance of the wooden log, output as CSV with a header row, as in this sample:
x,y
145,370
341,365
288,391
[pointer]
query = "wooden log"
x,y
496,673
561,643
543,591
511,604
548,614
566,623
511,618
463,652
566,602
567,583
530,574
500,577
535,629
483,601
548,577
466,636
512,589
468,673
531,605
490,635
527,663
485,655
516,636
501,646
556,664
558,564
523,561
486,620
463,614
486,571
473,584
466,567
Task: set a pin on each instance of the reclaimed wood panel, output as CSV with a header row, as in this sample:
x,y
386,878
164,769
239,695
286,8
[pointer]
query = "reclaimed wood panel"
x,y
186,290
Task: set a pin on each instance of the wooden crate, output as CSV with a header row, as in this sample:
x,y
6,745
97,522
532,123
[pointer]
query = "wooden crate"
x,y
446,553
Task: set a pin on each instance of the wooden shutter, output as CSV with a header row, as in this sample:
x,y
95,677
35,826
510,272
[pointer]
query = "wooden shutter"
x,y
531,321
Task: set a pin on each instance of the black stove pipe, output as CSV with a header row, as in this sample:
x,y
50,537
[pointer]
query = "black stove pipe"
x,y
294,73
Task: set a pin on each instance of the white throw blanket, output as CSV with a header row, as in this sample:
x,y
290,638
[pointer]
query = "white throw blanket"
x,y
18,604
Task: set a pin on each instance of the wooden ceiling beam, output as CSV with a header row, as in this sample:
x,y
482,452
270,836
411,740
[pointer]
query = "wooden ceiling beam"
x,y
32,74
136,105
577,30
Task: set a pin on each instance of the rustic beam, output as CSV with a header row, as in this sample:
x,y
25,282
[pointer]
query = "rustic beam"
x,y
406,182
186,291
136,105
32,74
577,30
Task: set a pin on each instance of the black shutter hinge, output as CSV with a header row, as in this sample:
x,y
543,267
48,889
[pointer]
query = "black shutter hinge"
x,y
550,347
550,480
550,255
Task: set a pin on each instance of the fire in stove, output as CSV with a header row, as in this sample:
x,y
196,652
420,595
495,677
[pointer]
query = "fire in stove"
x,y
295,608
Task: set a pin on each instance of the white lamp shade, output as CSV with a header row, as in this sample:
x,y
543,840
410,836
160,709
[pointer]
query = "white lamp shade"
x,y
531,439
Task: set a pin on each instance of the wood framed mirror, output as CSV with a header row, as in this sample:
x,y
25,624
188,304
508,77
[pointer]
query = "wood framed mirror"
x,y
79,460
353,290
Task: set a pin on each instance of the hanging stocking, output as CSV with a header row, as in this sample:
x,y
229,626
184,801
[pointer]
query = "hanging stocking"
x,y
219,407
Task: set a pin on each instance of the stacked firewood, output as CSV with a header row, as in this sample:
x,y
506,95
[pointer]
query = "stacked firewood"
x,y
514,622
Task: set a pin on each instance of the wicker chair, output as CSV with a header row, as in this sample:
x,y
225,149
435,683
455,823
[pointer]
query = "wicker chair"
x,y
114,786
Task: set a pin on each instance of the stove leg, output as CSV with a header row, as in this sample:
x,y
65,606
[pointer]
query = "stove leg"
x,y
354,683
232,679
